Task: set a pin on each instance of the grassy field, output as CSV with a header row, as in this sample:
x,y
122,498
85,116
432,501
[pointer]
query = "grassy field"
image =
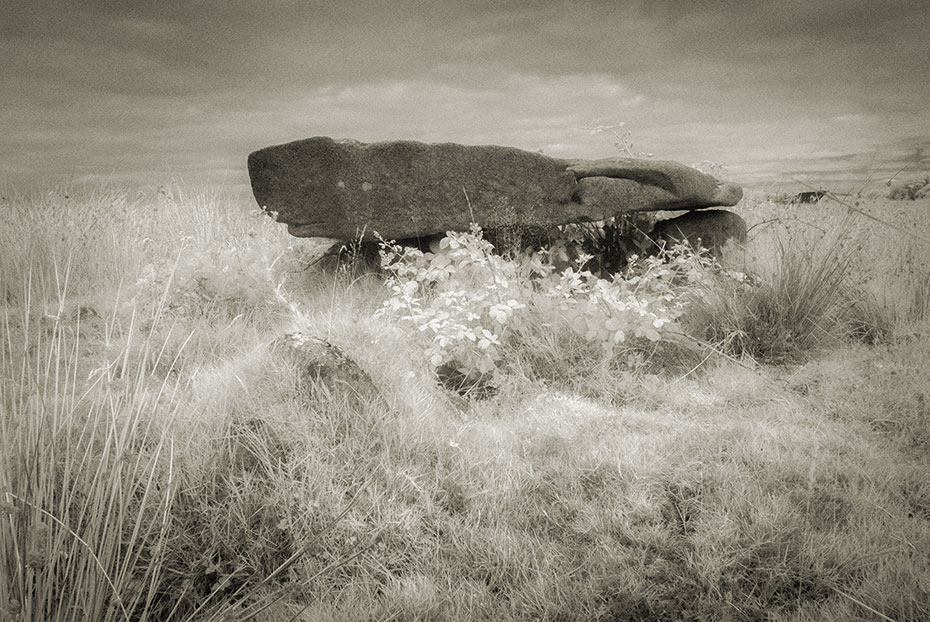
x,y
161,458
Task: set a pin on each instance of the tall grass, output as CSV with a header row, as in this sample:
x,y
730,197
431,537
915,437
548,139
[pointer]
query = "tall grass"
x,y
787,306
86,473
162,459
112,312
818,276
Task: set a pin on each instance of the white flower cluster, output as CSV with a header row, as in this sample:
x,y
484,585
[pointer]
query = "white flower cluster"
x,y
469,302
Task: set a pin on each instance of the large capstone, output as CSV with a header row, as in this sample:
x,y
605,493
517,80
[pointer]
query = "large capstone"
x,y
348,190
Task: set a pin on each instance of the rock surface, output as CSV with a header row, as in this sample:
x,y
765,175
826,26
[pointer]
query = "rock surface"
x,y
325,366
344,189
711,229
810,197
649,185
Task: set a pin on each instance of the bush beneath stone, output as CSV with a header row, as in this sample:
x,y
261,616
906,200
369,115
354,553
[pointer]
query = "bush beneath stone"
x,y
470,305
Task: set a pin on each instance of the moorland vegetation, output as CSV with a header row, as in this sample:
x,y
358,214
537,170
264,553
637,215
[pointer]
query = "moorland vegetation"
x,y
690,439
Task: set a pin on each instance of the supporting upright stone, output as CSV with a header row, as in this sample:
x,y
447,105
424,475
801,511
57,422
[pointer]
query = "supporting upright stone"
x,y
711,229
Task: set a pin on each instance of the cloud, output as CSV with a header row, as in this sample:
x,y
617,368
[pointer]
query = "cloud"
x,y
193,87
526,111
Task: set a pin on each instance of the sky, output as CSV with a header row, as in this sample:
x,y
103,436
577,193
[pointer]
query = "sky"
x,y
135,93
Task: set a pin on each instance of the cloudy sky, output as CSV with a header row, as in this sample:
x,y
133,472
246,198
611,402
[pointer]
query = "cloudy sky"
x,y
141,93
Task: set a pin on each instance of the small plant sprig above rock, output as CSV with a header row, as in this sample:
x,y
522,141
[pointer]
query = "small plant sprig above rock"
x,y
623,138
469,302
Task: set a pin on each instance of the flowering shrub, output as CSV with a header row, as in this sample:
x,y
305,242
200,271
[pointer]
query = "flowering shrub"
x,y
465,297
469,302
641,304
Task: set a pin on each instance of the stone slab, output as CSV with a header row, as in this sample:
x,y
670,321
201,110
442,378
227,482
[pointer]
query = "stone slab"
x,y
344,189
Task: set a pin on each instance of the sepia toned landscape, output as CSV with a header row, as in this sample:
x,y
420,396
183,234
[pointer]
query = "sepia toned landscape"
x,y
536,311
165,457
